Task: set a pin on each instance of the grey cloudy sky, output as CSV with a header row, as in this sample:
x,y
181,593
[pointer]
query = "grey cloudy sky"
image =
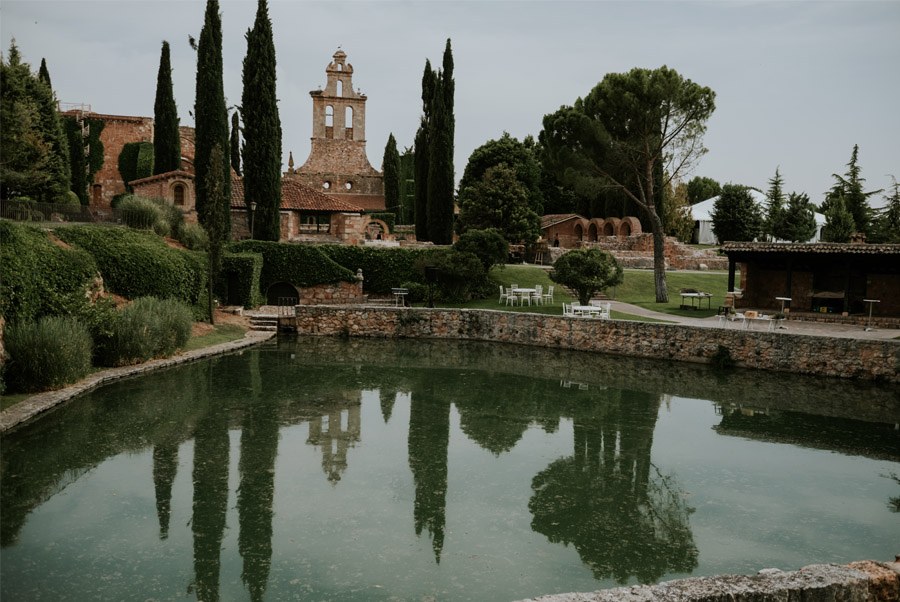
x,y
798,83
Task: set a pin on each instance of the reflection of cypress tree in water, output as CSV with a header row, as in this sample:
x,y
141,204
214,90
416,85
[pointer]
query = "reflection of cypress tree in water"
x,y
211,453
259,447
387,397
429,438
165,467
622,521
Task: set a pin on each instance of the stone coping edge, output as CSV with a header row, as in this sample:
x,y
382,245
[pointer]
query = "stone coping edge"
x,y
863,581
37,405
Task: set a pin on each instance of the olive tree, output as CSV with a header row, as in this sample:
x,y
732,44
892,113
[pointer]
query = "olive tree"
x,y
587,271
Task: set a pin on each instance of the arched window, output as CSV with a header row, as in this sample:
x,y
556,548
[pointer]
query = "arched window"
x,y
348,123
178,193
340,87
329,116
340,67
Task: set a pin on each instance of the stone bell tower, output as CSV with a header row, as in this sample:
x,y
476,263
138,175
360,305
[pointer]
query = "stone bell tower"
x,y
337,163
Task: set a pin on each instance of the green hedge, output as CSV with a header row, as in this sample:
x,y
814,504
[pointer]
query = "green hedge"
x,y
39,277
383,268
136,161
140,264
241,270
301,265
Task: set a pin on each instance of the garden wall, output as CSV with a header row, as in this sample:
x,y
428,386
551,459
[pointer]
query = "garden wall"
x,y
802,354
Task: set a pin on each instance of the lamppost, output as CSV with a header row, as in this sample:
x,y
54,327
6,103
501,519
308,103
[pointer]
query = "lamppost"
x,y
252,213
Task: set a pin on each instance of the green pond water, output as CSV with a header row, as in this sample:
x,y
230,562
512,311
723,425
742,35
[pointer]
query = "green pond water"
x,y
320,469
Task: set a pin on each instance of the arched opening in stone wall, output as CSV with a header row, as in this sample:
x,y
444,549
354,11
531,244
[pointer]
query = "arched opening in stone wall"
x,y
178,194
377,229
578,231
282,293
340,87
624,229
592,232
608,229
329,116
630,226
348,123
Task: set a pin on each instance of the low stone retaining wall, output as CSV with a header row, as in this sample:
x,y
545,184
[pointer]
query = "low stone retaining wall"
x,y
864,581
803,354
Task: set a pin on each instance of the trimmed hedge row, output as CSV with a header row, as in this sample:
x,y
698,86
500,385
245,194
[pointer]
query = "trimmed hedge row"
x,y
40,277
301,265
241,272
140,264
383,268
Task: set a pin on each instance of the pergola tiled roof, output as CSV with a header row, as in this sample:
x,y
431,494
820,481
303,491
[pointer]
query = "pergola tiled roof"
x,y
297,197
557,218
815,247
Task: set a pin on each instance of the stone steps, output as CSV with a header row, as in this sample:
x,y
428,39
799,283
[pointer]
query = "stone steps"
x,y
264,323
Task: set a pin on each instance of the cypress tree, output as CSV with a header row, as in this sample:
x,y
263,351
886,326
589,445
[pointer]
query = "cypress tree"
x,y
448,87
440,176
166,136
211,119
44,74
407,187
423,154
215,226
390,167
77,161
262,128
236,143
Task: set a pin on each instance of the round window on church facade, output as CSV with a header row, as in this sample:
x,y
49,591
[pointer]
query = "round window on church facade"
x,y
326,184
348,185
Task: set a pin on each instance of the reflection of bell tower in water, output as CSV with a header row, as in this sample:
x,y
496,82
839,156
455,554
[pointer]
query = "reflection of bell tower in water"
x,y
335,433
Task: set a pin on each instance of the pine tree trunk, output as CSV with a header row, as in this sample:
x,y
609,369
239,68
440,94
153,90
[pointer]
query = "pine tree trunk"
x,y
659,260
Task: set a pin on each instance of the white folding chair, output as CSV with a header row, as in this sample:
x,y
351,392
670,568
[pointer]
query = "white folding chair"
x,y
503,295
549,294
538,295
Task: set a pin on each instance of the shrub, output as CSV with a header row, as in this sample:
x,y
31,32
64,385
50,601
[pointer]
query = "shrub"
x,y
145,329
586,272
140,264
488,245
459,274
172,215
140,212
418,292
47,354
240,272
194,237
40,277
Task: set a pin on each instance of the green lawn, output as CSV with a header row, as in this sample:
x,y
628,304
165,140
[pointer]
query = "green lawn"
x,y
638,289
223,333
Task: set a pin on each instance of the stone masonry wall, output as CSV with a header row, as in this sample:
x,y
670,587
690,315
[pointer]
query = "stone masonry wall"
x,y
802,354
332,294
117,131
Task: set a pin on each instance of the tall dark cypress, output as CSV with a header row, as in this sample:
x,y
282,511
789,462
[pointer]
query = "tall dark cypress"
x,y
262,129
423,154
44,74
166,137
211,118
390,167
236,142
448,88
440,164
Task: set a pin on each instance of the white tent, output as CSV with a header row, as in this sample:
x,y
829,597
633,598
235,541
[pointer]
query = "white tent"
x,y
701,213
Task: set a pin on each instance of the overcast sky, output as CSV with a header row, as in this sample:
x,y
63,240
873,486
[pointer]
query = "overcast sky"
x,y
797,83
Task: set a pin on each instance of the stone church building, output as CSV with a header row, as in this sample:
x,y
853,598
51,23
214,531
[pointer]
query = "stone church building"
x,y
337,163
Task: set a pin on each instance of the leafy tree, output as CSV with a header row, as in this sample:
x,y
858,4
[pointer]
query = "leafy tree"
x,y
33,144
774,220
166,136
211,119
587,271
798,219
488,245
499,201
517,156
390,167
735,216
459,275
620,134
886,225
440,162
262,129
676,214
850,187
701,188
215,227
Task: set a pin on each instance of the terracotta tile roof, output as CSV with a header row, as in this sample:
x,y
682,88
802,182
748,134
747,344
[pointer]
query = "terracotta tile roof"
x,y
369,202
812,247
178,173
297,197
557,218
